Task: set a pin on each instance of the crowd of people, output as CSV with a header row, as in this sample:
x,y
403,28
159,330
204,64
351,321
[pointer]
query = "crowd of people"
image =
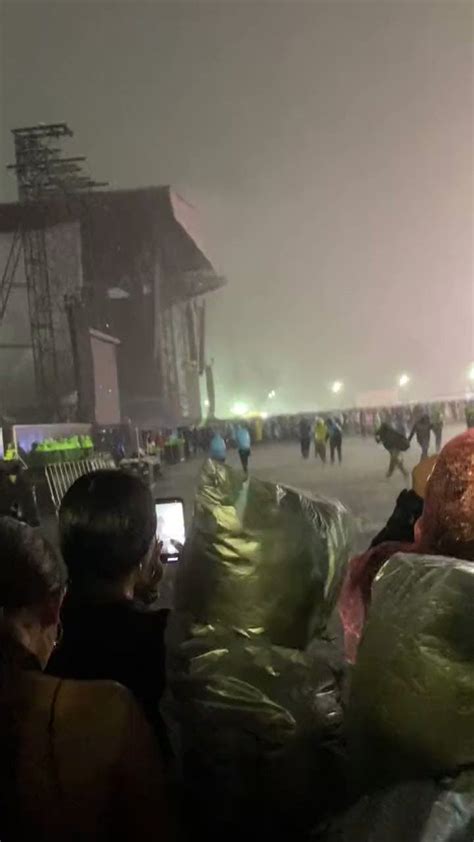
x,y
323,430
81,756
393,427
86,748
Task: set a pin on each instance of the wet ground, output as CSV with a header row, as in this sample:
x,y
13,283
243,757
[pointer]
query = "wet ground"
x,y
360,482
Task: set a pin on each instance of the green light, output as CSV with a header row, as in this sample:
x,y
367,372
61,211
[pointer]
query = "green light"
x,y
239,408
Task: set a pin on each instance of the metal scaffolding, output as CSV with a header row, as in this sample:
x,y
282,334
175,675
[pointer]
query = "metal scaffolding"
x,y
42,173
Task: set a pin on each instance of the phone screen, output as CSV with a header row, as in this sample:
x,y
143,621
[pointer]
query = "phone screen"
x,y
170,527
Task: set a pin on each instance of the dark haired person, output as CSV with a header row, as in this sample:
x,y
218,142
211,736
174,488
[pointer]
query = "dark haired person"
x,y
437,424
107,530
422,429
77,759
305,436
335,439
395,444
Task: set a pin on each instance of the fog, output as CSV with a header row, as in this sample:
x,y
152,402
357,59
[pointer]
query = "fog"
x,y
328,147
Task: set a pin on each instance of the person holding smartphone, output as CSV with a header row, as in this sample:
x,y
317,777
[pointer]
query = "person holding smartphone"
x,y
107,531
170,528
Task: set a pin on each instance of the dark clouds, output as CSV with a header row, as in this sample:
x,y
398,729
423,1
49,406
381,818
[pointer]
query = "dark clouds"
x,y
329,147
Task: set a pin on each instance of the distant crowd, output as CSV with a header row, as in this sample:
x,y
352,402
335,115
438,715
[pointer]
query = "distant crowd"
x,y
187,442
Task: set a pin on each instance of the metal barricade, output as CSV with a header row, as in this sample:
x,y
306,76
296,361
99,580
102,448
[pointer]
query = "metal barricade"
x,y
61,475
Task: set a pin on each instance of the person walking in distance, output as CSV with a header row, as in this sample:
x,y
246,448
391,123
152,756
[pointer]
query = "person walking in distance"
x,y
335,439
243,440
305,437
320,439
469,413
395,443
217,448
437,424
422,429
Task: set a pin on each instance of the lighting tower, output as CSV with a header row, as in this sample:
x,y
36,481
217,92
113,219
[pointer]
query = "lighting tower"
x,y
41,173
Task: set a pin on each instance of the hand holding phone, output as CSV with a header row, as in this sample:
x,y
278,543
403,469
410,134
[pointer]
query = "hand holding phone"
x,y
170,528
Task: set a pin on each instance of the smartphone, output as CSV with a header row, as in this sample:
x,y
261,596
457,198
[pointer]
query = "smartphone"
x,y
170,527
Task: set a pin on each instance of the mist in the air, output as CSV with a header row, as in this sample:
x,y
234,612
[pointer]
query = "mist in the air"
x,y
328,149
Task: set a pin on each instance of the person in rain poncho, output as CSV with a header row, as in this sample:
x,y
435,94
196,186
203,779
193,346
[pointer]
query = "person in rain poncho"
x,y
320,439
254,677
446,527
410,711
243,441
217,448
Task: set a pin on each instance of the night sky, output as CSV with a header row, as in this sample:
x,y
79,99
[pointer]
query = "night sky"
x,y
328,147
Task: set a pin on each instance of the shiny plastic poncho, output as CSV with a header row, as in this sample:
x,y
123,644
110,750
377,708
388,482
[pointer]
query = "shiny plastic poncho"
x,y
447,523
255,688
413,811
411,711
445,528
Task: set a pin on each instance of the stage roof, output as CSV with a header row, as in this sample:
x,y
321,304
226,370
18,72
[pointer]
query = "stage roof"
x,y
151,216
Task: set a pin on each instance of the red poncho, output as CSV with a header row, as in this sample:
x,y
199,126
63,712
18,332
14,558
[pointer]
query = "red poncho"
x,y
446,527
